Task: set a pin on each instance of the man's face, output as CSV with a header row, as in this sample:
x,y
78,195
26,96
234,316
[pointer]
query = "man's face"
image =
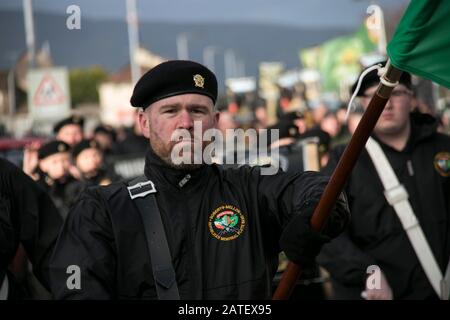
x,y
163,119
56,166
395,116
89,161
104,140
330,125
261,115
70,134
300,123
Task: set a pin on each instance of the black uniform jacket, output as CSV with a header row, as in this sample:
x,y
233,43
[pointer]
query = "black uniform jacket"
x,y
63,193
375,235
27,216
104,234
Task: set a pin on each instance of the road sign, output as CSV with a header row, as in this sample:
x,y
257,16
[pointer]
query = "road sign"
x,y
48,93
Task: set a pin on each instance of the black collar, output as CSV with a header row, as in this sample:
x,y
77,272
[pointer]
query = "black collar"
x,y
166,176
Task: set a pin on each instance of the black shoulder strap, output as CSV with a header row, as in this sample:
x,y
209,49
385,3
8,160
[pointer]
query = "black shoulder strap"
x,y
163,271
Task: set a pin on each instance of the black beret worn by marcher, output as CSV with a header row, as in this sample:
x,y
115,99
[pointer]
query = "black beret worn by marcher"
x,y
323,138
70,120
372,79
286,125
83,145
285,129
173,78
51,148
292,116
105,129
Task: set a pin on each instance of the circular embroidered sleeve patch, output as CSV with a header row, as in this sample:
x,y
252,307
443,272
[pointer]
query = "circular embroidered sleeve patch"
x,y
442,163
226,223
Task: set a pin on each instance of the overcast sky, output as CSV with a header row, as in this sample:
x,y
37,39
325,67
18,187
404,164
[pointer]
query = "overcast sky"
x,y
309,13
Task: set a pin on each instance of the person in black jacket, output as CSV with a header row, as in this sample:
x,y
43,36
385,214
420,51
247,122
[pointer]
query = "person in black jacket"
x,y
88,159
28,217
420,159
69,130
53,174
224,227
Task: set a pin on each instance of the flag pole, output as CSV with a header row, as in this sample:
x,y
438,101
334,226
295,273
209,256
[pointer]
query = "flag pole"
x,y
343,170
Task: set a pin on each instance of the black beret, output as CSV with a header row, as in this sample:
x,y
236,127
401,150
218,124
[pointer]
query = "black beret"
x,y
106,130
83,145
173,78
291,116
372,79
323,137
70,120
286,129
51,148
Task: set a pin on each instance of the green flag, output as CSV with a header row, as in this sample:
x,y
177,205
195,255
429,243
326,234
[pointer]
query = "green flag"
x,y
421,43
338,58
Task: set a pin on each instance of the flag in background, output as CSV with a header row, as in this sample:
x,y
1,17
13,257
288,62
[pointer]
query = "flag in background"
x,y
421,42
338,58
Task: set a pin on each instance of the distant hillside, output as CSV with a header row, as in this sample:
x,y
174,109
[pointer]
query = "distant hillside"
x,y
105,42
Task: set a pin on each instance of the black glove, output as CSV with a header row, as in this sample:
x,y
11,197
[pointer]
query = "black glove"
x,y
338,220
300,242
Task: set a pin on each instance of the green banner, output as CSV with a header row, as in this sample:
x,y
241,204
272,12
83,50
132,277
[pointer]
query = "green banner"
x,y
338,58
421,43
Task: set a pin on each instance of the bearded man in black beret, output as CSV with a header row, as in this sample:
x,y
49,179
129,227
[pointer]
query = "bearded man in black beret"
x,y
189,229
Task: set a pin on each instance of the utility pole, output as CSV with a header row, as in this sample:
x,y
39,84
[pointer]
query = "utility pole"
x,y
230,63
182,46
12,91
241,67
133,39
29,32
209,57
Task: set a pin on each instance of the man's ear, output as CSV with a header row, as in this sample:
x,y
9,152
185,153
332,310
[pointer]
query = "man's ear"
x,y
144,122
216,118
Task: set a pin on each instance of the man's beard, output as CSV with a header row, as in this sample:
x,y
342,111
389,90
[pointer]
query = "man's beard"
x,y
164,152
181,166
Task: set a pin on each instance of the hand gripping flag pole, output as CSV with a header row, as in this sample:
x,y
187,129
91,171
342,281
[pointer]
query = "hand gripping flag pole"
x,y
343,169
